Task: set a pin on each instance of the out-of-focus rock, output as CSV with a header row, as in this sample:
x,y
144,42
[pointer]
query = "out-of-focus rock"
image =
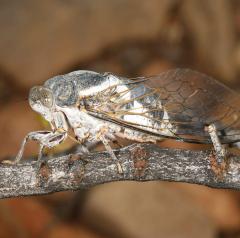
x,y
211,30
134,57
237,59
146,210
221,206
126,60
5,88
30,218
42,38
6,221
23,218
63,231
17,119
106,65
156,67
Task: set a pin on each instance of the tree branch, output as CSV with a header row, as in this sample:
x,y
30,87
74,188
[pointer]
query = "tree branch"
x,y
140,162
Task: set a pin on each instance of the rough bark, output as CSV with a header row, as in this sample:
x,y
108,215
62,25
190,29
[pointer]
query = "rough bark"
x,y
140,162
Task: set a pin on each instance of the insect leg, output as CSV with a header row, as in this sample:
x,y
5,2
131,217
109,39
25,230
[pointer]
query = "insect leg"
x,y
45,139
82,149
111,153
35,135
220,150
40,155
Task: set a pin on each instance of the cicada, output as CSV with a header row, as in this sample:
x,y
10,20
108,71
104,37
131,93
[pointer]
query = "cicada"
x,y
179,104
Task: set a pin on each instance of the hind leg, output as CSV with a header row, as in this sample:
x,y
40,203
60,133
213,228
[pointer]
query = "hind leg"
x,y
218,147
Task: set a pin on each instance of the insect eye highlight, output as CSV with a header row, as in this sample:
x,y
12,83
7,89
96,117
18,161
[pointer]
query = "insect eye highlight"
x,y
46,98
34,95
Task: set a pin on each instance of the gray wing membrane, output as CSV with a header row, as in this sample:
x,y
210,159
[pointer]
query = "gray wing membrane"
x,y
197,100
192,100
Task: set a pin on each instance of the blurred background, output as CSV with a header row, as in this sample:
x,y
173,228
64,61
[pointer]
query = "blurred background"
x,y
40,39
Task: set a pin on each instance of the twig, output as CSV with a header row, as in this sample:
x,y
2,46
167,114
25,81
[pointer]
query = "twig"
x,y
140,162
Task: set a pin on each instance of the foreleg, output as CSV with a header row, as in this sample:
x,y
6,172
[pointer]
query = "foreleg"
x,y
45,138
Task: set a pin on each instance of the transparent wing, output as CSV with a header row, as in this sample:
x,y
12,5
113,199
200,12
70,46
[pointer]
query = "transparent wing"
x,y
177,104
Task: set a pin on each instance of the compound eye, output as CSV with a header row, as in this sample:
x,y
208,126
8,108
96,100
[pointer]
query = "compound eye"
x,y
34,95
46,98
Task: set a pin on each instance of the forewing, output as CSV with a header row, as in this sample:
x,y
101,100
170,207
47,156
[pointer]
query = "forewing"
x,y
190,96
180,101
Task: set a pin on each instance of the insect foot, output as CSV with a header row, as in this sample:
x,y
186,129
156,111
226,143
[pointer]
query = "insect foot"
x,y
10,162
219,169
111,153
